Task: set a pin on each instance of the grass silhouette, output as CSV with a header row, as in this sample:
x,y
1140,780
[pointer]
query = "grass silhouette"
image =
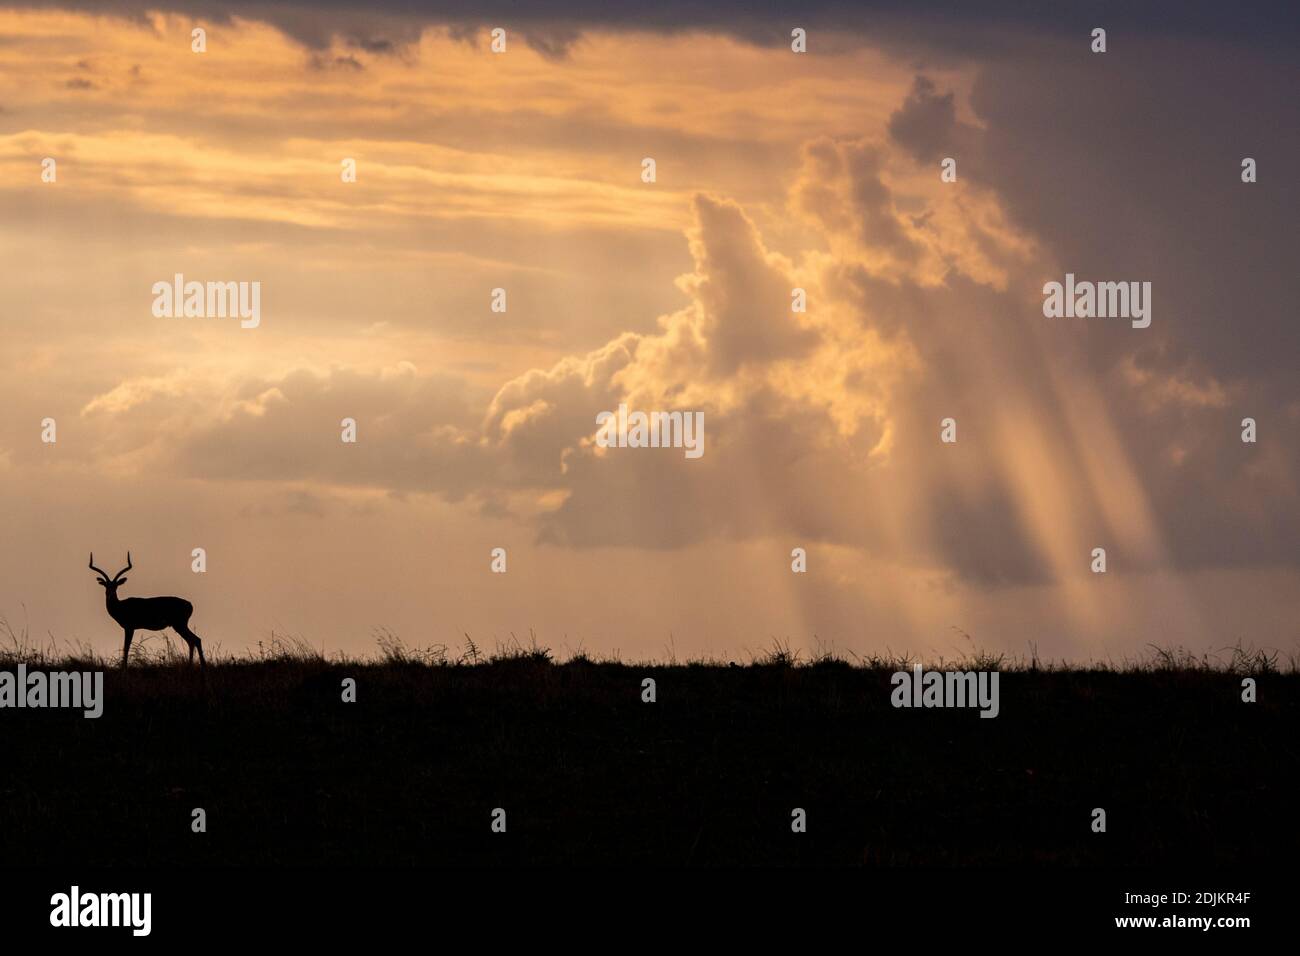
x,y
588,773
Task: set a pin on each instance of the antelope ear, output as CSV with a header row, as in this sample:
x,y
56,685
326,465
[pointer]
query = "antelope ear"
x,y
120,581
101,582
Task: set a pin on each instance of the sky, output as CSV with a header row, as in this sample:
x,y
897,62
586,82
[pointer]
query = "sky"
x,y
522,170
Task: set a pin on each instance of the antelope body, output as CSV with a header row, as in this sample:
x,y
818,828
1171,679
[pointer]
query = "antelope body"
x,y
146,614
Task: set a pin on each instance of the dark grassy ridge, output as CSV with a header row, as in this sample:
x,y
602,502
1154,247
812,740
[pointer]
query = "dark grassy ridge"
x,y
588,773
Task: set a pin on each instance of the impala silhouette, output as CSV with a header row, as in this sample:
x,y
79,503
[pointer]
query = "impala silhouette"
x,y
147,614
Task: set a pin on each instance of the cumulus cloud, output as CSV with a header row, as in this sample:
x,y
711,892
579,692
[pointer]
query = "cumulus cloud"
x,y
820,425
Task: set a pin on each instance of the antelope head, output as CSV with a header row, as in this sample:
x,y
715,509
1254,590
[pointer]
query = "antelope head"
x,y
103,578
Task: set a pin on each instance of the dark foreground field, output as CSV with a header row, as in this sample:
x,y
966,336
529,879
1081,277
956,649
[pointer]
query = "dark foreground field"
x,y
586,772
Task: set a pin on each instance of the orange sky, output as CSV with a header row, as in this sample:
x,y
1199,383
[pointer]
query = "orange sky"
x,y
522,171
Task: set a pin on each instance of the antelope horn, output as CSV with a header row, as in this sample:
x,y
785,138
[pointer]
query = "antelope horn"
x,y
101,574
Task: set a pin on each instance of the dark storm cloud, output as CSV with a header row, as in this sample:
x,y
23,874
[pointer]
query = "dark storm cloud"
x,y
926,124
1129,168
953,26
1118,166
